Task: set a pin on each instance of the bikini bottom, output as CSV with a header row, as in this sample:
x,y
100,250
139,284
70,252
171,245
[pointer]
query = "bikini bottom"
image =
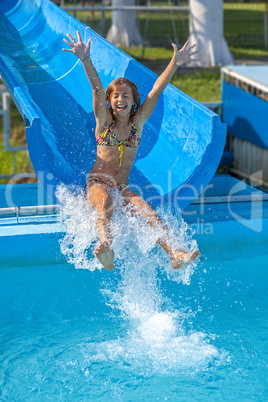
x,y
94,179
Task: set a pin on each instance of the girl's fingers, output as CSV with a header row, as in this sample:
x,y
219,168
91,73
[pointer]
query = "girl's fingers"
x,y
71,38
89,42
68,43
185,45
88,45
67,50
79,36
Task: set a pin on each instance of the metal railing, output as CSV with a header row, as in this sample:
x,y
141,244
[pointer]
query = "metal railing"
x,y
158,24
5,111
245,22
29,211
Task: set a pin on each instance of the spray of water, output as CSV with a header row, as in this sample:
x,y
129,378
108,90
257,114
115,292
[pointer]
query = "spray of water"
x,y
155,338
132,235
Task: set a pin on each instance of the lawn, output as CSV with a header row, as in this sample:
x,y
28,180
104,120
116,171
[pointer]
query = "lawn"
x,y
243,24
17,139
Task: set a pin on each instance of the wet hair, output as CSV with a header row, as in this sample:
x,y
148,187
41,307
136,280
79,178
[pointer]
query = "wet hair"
x,y
123,81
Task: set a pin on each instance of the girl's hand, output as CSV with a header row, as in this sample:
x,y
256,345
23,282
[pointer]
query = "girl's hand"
x,y
78,48
184,55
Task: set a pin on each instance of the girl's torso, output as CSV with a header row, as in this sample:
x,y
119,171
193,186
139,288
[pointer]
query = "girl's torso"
x,y
116,153
110,138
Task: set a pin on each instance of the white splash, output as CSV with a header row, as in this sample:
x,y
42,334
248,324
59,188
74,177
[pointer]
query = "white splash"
x,y
155,339
79,219
133,237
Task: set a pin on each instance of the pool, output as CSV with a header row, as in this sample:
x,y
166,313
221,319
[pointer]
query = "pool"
x,y
144,331
71,334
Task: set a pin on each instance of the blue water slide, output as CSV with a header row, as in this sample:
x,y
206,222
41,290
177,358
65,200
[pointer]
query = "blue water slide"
x,y
182,142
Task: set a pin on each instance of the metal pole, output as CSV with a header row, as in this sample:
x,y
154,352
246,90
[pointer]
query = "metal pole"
x,y
6,107
266,25
103,28
173,25
92,11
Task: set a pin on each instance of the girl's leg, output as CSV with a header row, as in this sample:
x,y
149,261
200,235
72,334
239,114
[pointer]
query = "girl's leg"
x,y
101,200
178,257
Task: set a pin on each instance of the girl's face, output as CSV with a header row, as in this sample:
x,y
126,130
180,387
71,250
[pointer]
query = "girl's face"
x,y
121,100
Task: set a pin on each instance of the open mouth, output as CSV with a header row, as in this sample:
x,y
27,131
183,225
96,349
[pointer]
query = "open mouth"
x,y
121,108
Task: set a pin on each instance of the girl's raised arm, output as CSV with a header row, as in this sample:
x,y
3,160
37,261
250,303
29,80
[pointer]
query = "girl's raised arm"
x,y
82,51
179,57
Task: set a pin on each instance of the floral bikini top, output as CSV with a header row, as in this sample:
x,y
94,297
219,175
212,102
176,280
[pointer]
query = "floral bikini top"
x,y
108,138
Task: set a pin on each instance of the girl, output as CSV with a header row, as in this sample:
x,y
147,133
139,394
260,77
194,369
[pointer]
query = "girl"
x,y
118,132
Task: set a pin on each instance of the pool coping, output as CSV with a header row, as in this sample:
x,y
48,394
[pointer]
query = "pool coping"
x,y
223,224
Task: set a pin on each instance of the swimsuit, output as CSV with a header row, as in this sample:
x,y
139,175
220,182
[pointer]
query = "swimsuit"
x,y
108,138
109,183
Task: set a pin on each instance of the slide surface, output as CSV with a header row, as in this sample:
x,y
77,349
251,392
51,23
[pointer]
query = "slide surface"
x,y
182,142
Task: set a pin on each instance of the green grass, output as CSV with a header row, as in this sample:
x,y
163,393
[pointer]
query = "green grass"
x,y
149,53
165,53
17,138
249,53
243,24
204,86
6,165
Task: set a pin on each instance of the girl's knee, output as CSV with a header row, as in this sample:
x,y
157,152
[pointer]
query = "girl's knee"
x,y
140,203
141,207
101,201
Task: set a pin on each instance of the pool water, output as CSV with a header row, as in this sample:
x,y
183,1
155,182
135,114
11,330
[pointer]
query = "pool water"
x,y
75,332
139,333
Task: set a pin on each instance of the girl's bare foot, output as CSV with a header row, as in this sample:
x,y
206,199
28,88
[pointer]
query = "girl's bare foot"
x,y
181,258
105,255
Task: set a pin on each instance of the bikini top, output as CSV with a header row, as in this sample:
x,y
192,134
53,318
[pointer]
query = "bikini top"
x,y
108,138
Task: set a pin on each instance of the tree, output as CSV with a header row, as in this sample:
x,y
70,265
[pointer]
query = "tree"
x,y
206,30
124,30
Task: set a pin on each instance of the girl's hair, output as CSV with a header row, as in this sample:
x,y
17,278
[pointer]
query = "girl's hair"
x,y
123,81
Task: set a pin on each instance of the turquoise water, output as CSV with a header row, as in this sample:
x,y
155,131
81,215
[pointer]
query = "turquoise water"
x,y
76,332
138,333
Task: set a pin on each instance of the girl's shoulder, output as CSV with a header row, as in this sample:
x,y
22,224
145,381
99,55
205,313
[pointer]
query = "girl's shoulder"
x,y
101,128
136,121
